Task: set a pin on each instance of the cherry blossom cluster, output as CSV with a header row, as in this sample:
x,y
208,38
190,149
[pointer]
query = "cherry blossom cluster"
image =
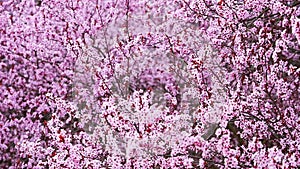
x,y
38,46
258,44
149,84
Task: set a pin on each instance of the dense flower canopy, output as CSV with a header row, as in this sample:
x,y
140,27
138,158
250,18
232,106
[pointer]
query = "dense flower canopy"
x,y
149,84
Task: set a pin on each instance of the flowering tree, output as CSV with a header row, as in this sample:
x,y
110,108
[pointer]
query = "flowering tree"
x,y
258,43
149,84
